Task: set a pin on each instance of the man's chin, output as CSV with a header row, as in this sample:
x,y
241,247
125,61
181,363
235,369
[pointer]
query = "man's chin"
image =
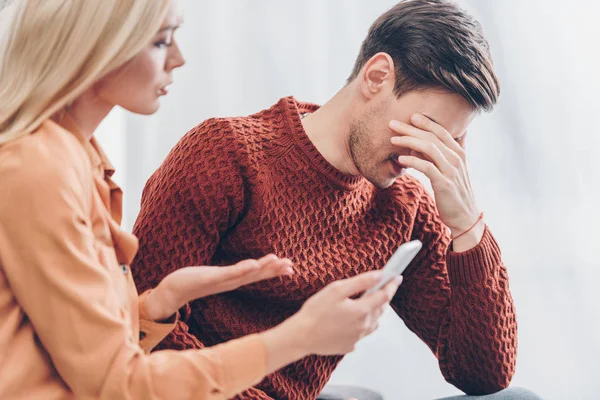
x,y
385,175
382,183
386,182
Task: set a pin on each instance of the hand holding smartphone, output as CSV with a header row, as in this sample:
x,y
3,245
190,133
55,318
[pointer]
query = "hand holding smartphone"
x,y
397,263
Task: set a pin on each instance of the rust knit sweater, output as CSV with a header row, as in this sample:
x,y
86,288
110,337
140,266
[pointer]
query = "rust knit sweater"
x,y
240,188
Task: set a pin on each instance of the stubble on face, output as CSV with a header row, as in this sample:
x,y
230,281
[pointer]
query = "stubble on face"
x,y
364,150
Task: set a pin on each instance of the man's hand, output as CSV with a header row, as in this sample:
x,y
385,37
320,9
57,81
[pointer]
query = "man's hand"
x,y
442,159
190,283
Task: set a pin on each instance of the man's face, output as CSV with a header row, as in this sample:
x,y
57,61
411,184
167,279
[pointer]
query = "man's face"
x,y
369,137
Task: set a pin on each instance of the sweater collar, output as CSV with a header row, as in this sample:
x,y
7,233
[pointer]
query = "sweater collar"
x,y
293,109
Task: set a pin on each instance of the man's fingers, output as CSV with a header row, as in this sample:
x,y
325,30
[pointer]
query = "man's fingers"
x,y
426,148
372,328
426,167
462,141
425,123
403,128
446,144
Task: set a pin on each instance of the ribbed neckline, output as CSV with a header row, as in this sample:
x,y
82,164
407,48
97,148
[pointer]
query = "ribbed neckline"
x,y
292,110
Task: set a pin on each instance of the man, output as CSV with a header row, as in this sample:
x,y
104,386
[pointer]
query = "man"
x,y
326,188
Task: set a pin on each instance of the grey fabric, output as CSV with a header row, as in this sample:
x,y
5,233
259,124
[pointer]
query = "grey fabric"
x,y
343,392
508,394
339,392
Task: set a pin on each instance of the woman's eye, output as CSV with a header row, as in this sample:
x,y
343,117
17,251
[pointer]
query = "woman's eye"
x,y
161,44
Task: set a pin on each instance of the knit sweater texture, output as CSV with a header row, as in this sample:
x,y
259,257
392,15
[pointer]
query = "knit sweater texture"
x,y
238,188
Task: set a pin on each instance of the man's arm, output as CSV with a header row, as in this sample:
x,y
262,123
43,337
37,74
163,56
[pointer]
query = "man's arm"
x,y
459,304
188,204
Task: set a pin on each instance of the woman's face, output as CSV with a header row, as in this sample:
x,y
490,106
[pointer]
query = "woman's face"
x,y
138,85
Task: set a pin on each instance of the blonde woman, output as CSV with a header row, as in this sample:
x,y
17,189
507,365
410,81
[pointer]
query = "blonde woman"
x,y
71,322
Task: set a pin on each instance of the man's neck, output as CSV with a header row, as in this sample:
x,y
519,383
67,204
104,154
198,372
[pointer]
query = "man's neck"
x,y
328,129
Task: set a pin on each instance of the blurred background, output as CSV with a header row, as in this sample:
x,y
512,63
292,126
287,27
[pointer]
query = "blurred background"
x,y
533,161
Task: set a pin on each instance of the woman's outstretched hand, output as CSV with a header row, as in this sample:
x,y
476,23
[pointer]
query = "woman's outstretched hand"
x,y
190,283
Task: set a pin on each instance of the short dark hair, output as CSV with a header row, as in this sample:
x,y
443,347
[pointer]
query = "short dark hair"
x,y
434,43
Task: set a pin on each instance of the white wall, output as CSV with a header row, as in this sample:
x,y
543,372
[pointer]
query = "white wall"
x,y
533,161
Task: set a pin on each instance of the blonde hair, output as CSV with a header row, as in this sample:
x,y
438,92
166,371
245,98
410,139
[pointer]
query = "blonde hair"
x,y
54,50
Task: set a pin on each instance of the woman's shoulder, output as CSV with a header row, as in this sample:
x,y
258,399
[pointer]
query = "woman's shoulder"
x,y
49,156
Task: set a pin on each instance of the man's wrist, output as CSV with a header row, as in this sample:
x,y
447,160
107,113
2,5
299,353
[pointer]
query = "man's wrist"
x,y
467,241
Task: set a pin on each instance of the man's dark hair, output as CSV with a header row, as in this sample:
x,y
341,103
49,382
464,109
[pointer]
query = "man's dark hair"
x,y
434,43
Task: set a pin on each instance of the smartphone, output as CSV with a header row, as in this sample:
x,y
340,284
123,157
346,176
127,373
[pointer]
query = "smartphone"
x,y
397,263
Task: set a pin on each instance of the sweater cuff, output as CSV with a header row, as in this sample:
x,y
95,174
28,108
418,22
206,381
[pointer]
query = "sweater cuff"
x,y
476,264
151,332
243,362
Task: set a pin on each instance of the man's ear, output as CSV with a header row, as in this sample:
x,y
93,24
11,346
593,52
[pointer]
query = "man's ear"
x,y
377,75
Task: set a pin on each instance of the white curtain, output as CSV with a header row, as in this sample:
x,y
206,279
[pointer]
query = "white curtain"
x,y
533,160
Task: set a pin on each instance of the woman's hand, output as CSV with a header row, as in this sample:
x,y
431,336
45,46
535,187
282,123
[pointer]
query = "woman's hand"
x,y
190,283
331,321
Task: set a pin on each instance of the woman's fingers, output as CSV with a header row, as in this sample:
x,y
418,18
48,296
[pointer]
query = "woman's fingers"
x,y
383,296
267,267
277,267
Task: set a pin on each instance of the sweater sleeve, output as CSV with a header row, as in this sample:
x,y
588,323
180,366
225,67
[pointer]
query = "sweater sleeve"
x,y
460,305
253,394
187,205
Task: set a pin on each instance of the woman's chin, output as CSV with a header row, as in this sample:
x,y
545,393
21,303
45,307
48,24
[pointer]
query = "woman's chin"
x,y
144,109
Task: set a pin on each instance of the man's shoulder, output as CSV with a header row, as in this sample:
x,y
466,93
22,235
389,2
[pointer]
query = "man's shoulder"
x,y
271,121
213,138
243,134
222,144
227,131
